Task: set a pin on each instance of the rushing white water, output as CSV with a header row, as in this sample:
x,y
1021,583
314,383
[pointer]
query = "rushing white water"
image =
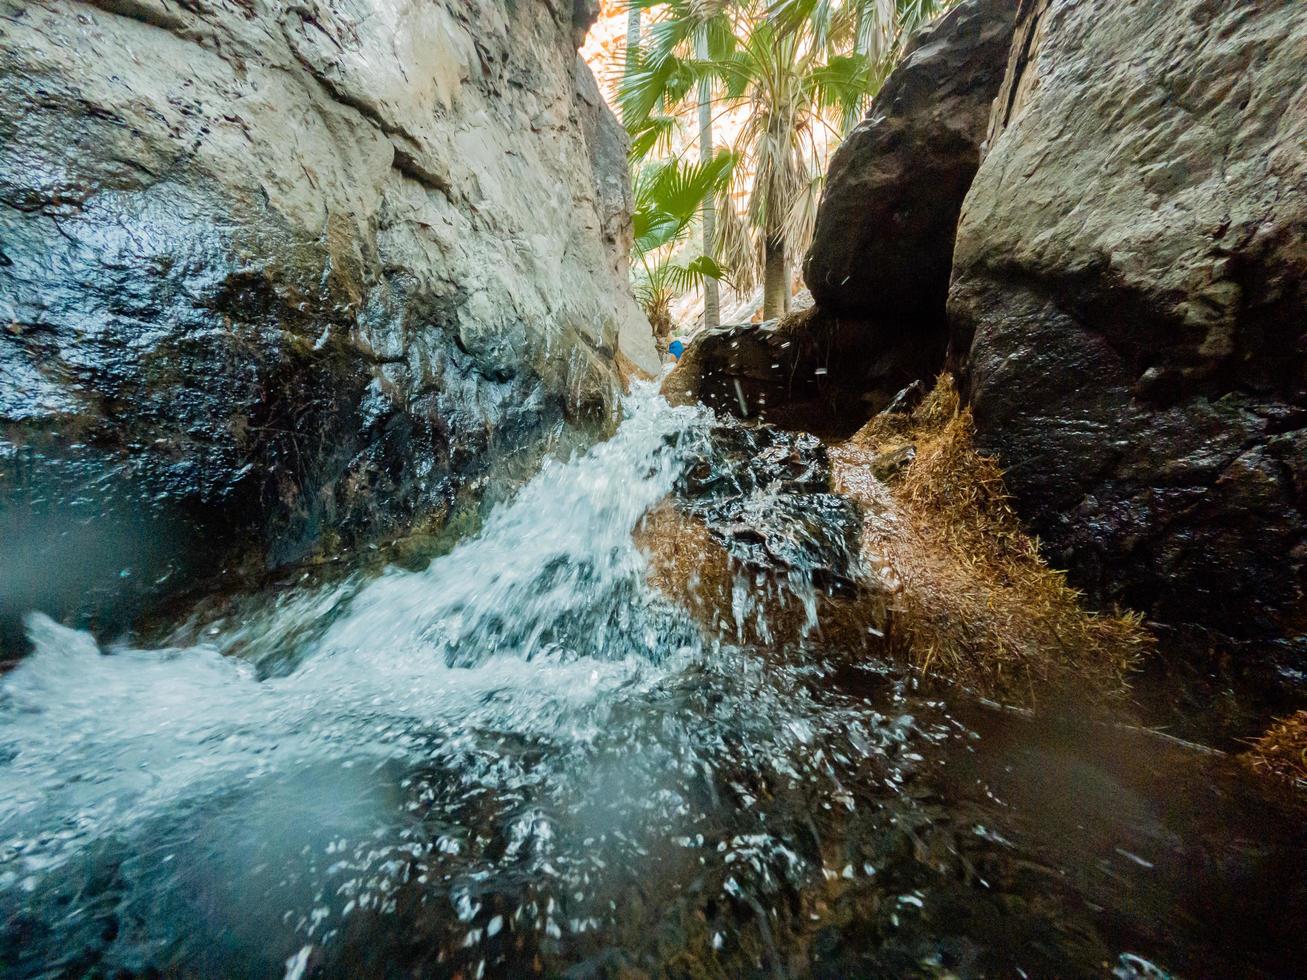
x,y
492,678
528,624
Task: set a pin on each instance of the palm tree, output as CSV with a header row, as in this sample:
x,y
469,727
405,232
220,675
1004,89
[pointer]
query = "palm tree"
x,y
873,29
712,309
801,72
687,37
632,44
669,196
797,94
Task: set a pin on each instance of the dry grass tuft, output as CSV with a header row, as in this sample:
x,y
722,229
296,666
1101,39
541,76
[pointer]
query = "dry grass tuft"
x,y
936,411
1282,751
974,600
954,586
686,562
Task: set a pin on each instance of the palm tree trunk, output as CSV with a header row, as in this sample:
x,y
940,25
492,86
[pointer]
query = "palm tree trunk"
x,y
712,311
632,40
775,279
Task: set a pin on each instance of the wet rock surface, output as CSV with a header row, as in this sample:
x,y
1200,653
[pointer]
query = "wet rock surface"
x,y
1128,308
278,277
809,371
766,496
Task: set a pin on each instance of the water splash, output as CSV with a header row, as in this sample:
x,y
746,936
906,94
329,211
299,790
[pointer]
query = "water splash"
x,y
521,758
545,603
440,728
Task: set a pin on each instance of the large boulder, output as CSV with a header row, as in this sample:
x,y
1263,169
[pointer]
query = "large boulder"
x,y
1128,303
275,277
884,238
879,264
810,371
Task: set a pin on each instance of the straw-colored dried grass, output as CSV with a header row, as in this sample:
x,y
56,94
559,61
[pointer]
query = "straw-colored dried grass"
x,y
1282,751
954,584
974,600
686,562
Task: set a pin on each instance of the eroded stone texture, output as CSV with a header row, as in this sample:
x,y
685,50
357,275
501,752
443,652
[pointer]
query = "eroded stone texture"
x,y
276,276
1128,306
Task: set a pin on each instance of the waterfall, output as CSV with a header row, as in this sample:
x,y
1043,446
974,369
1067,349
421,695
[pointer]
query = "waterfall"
x,y
418,726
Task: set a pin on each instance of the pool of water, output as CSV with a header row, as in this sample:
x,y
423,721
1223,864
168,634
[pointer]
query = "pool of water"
x,y
520,760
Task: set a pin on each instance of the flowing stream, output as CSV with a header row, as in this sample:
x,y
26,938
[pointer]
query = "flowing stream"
x,y
522,760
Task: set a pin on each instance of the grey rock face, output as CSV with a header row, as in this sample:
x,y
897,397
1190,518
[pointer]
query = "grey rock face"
x,y
884,238
274,276
1128,308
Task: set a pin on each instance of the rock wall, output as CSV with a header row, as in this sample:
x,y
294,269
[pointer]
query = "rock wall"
x,y
275,276
1128,308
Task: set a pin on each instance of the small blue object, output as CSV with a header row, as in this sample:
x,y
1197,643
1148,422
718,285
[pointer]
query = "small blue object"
x,y
676,349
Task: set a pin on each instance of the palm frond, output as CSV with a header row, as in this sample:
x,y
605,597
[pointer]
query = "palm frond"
x,y
842,87
736,244
801,219
679,188
670,194
682,278
654,135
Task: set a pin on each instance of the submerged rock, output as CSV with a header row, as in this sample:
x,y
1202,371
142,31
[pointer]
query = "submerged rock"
x,y
1128,308
766,496
279,278
756,543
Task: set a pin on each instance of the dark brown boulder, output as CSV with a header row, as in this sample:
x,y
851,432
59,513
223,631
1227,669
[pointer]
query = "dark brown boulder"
x,y
1128,311
884,238
810,370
